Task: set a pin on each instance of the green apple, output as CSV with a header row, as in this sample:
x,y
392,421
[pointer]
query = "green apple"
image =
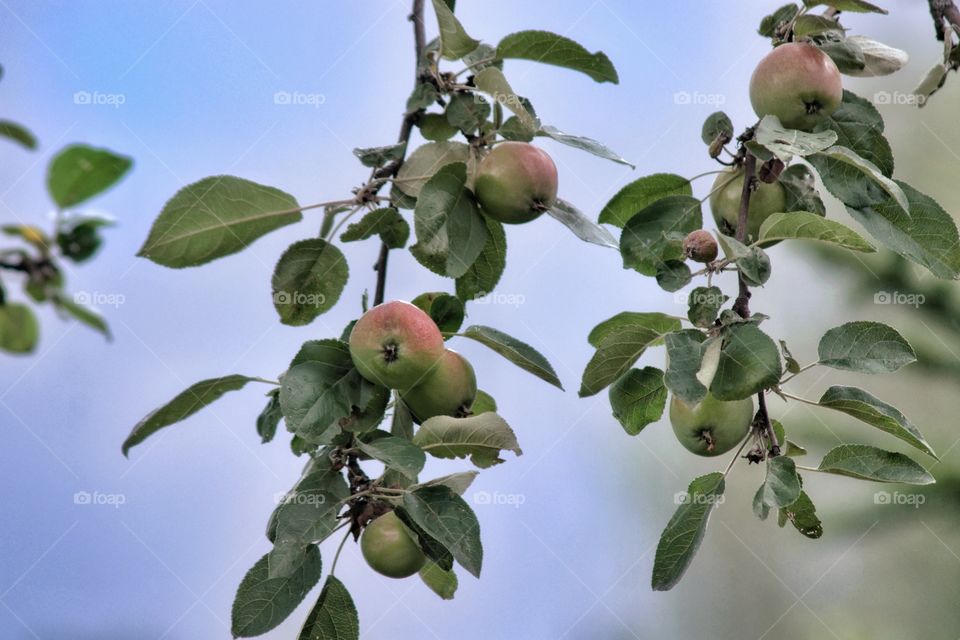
x,y
769,198
448,390
395,345
711,427
389,548
798,83
516,182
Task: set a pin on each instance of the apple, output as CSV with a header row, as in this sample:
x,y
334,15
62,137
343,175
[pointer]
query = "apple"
x,y
712,427
725,202
798,83
389,548
700,246
448,390
395,345
516,182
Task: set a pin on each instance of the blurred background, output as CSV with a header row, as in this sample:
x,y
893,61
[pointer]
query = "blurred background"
x,y
570,527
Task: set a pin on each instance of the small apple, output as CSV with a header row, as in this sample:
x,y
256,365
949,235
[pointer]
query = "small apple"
x,y
712,427
395,345
389,548
700,246
516,182
448,390
725,202
798,83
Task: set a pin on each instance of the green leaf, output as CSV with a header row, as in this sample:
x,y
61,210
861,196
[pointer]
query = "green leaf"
x,y
811,25
684,533
870,463
425,161
78,172
655,234
307,506
770,23
879,59
454,41
385,222
550,48
856,6
782,485
467,112
928,236
448,519
704,305
443,583
447,312
482,57
620,348
375,157
867,347
685,352
803,515
334,616
800,190
262,603
585,144
803,225
401,423
859,127
184,405
451,232
638,398
517,352
866,408
482,437
18,133
435,127
845,53
323,393
456,482
484,274
785,143
640,194
749,363
215,217
673,275
847,167
483,403
717,125
422,96
394,452
753,262
82,314
269,417
492,82
582,226
661,321
308,281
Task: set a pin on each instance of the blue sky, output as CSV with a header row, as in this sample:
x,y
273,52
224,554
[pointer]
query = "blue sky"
x,y
186,88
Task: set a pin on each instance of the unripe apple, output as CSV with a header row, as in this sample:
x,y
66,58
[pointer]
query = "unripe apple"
x,y
448,390
700,246
725,202
395,345
516,182
711,427
798,83
389,548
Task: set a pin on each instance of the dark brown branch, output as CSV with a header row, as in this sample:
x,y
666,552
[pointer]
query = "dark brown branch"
x,y
406,128
942,10
742,304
